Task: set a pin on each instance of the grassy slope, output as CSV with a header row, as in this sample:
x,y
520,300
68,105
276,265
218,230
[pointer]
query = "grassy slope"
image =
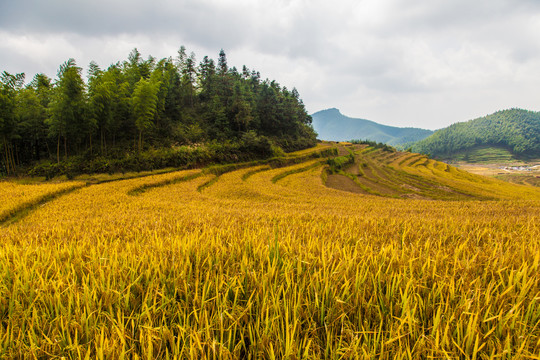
x,y
409,175
484,154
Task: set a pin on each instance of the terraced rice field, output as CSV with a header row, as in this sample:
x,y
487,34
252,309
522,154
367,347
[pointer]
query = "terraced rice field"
x,y
406,175
416,260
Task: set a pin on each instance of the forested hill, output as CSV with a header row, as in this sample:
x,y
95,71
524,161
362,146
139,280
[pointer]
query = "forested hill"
x,y
203,113
515,129
331,124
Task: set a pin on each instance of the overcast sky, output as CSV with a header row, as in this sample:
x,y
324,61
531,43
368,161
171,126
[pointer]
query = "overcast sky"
x,y
422,63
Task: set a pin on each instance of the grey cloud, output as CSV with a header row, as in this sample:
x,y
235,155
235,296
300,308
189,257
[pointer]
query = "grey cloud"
x,y
216,25
441,15
192,20
356,54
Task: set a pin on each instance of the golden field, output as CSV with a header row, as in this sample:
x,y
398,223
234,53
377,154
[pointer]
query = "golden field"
x,y
423,261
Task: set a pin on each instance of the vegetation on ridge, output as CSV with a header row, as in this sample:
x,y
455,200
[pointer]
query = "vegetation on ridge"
x,y
515,129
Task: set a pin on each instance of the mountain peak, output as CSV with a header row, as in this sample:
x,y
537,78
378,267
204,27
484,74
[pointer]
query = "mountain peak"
x,y
330,111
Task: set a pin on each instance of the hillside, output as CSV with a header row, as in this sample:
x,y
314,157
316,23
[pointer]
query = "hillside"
x,y
378,171
515,130
332,125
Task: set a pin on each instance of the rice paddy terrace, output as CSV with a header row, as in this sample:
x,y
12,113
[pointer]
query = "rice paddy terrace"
x,y
337,252
376,171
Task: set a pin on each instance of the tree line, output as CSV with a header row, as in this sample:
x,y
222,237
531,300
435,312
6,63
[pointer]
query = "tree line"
x,y
140,104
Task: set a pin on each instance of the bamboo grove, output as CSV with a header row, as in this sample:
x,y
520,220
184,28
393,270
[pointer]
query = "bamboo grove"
x,y
265,261
140,103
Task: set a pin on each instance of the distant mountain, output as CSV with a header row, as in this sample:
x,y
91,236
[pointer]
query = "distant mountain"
x,y
331,124
516,130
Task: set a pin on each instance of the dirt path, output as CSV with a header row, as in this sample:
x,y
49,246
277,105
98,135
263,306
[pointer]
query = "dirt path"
x,y
341,182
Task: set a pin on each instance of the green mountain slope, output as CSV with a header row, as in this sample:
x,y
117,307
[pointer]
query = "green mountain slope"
x,y
516,130
330,124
